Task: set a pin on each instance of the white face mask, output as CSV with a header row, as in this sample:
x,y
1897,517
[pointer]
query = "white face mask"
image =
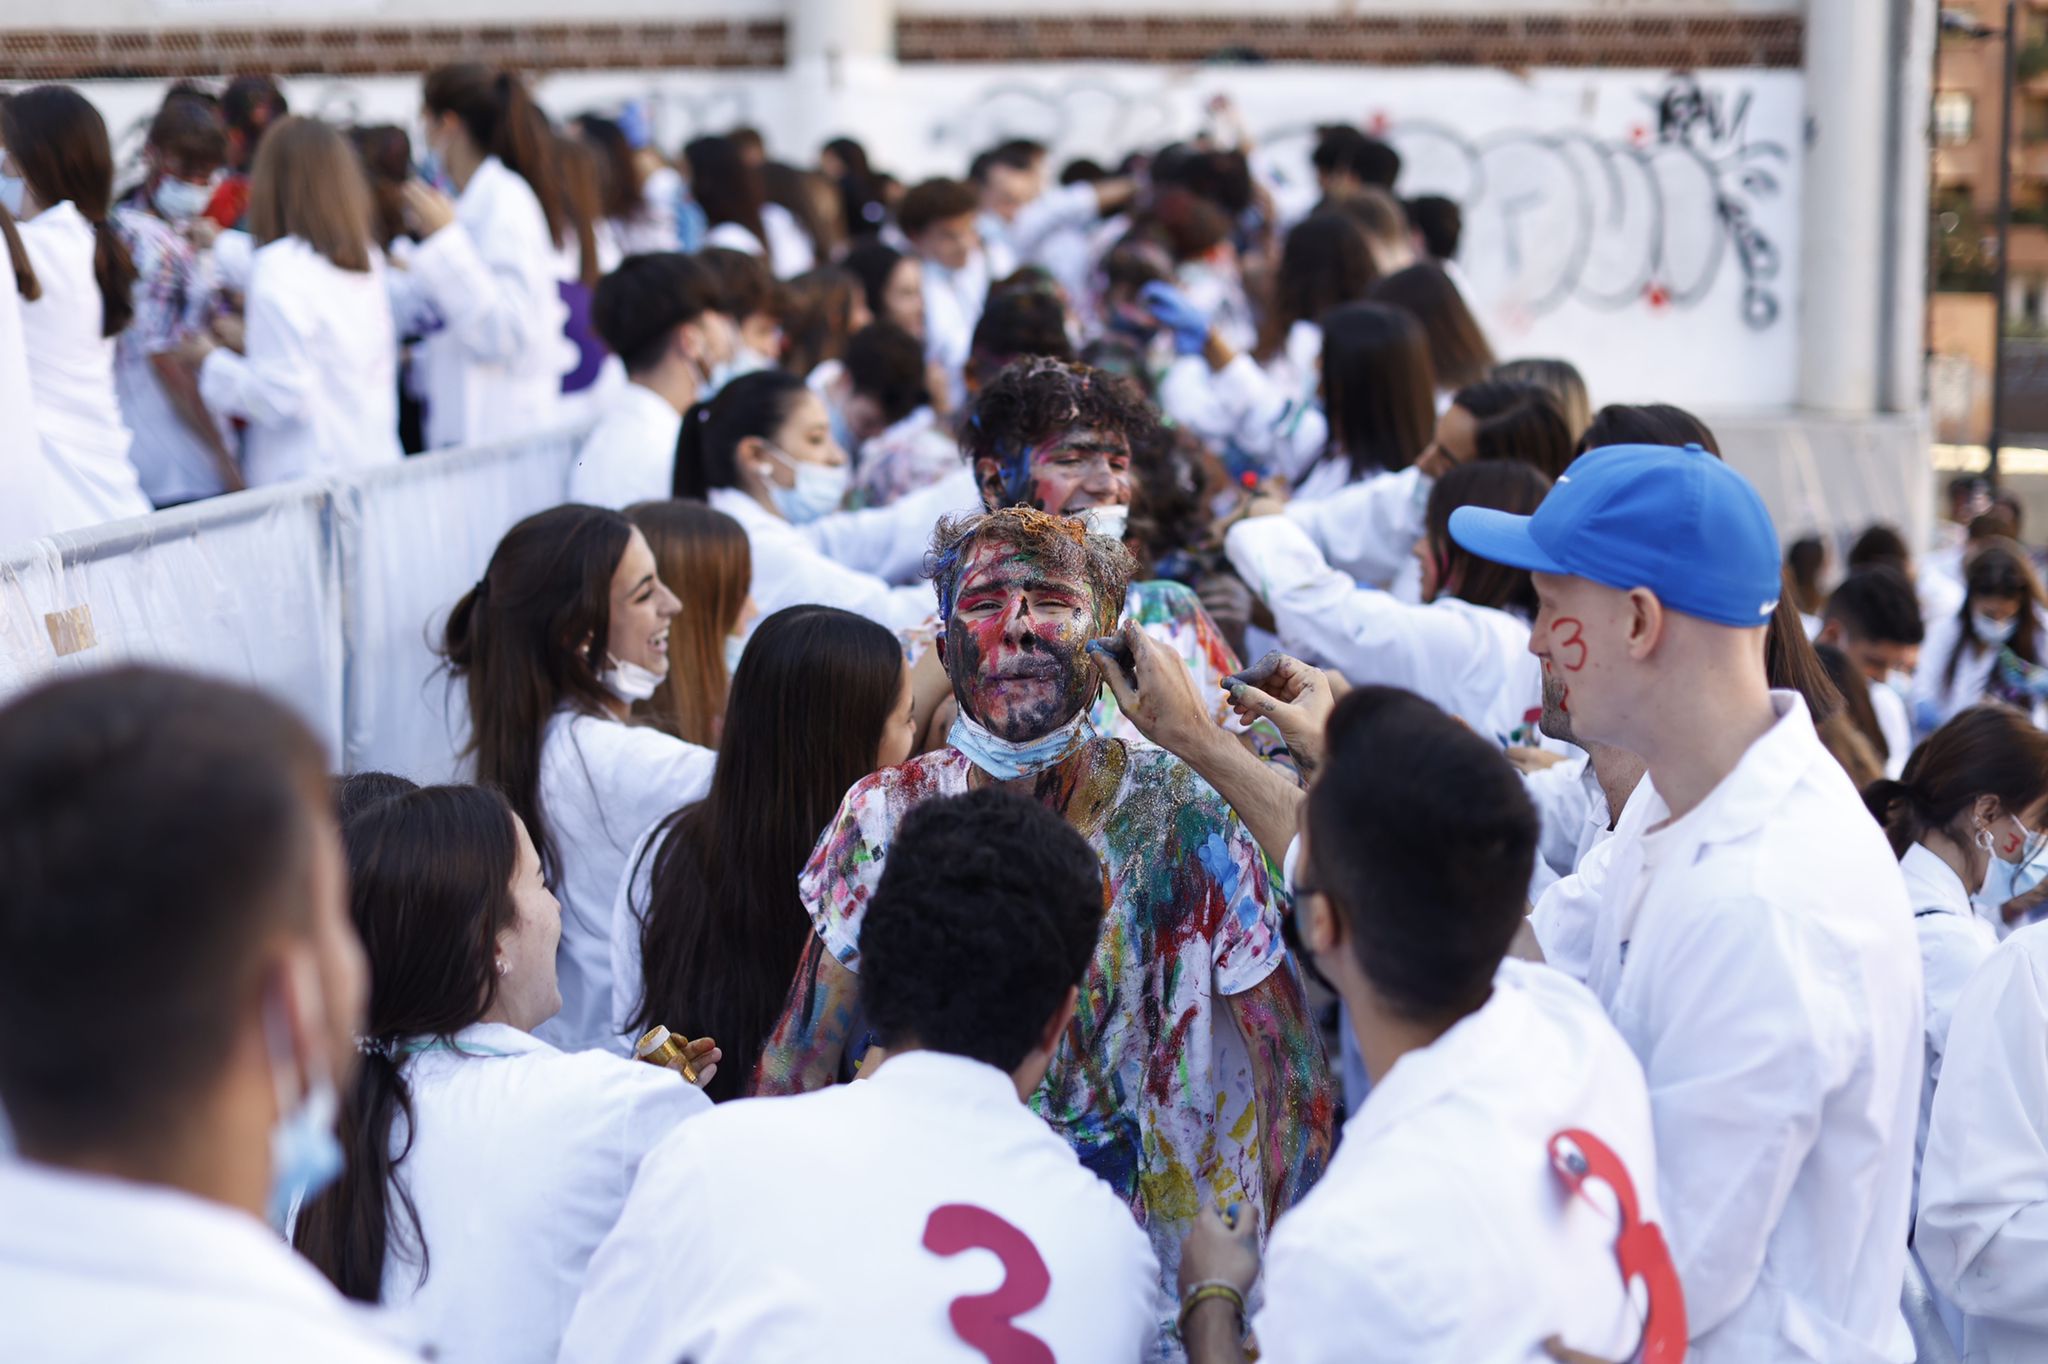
x,y
819,490
1993,631
629,681
180,200
1107,521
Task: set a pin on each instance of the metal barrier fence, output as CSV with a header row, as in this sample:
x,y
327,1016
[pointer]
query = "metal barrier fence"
x,y
326,593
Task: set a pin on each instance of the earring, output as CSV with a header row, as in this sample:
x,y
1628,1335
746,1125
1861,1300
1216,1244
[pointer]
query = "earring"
x,y
502,967
1984,837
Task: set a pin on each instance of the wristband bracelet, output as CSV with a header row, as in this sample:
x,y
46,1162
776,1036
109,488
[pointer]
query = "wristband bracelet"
x,y
1202,1292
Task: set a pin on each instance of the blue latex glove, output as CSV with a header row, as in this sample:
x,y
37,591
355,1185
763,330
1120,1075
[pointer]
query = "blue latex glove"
x,y
1189,325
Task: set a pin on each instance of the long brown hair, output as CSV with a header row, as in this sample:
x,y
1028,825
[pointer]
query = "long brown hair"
x,y
817,313
59,144
308,183
704,555
724,931
25,282
1986,750
583,176
1504,485
504,122
530,638
1457,346
1324,264
1379,388
430,889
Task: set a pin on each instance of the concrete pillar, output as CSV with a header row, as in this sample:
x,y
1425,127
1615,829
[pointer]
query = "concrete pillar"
x,y
1906,273
842,57
1843,210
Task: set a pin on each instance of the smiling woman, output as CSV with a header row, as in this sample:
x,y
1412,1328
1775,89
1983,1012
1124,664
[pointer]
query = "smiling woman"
x,y
566,629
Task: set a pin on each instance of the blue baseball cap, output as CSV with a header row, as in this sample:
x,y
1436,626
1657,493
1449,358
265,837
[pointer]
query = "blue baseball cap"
x,y
1678,522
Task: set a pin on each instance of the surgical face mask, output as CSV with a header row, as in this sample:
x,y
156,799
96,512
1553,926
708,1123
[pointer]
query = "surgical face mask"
x,y
745,360
1107,521
1900,682
180,200
1006,761
2029,848
12,191
629,681
1993,631
305,1154
819,490
735,645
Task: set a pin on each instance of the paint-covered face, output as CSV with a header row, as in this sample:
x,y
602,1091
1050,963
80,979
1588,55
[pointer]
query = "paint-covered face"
x,y
1581,632
1082,467
1015,642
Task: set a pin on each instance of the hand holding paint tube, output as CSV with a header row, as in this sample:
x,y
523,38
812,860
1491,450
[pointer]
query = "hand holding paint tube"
x,y
695,1061
1153,688
1295,697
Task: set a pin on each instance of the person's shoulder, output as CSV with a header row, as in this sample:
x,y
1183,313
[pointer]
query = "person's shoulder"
x,y
752,1133
941,772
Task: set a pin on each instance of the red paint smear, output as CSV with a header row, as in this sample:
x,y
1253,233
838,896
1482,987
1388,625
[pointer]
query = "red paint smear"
x,y
2012,844
1657,296
1574,640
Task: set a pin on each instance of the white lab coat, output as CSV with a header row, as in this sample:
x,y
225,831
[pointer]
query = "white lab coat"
x,y
787,250
1938,699
654,227
519,1162
891,541
493,366
602,784
1896,724
1758,955
1953,944
953,300
630,455
1571,807
38,500
1369,528
1283,431
737,1236
71,373
789,570
1566,919
319,385
1473,661
1440,1230
1983,1226
97,1269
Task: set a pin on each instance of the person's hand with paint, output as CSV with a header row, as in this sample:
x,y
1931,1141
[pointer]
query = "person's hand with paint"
x,y
1295,697
1178,314
1219,1263
1154,690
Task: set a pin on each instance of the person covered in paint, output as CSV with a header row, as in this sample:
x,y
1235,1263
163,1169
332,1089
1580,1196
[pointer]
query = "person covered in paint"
x,y
1058,436
931,1165
1192,1074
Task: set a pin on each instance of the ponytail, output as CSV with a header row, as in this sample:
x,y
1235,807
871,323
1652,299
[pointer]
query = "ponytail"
x,y
345,1231
1891,804
691,481
707,452
526,144
1987,750
115,271
25,282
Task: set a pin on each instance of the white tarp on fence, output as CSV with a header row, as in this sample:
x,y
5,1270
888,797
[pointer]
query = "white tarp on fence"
x,y
323,593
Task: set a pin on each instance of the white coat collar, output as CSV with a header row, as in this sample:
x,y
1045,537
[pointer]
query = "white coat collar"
x,y
952,1080
1422,1077
1933,884
480,1039
120,1232
483,180
752,516
1751,796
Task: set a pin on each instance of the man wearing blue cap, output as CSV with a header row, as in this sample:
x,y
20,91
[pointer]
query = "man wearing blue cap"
x,y
1753,941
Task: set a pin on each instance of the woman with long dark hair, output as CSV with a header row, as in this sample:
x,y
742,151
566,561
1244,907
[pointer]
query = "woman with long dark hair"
x,y
1458,349
1324,264
704,552
763,453
709,932
57,151
565,632
1465,647
894,283
483,1166
1975,793
1964,657
730,187
487,263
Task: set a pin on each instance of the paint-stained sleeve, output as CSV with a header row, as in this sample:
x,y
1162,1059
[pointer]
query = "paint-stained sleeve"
x,y
845,867
1246,945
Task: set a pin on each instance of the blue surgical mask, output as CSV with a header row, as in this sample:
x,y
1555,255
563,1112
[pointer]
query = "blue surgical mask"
x,y
180,201
819,490
1993,631
305,1154
12,191
1007,761
735,645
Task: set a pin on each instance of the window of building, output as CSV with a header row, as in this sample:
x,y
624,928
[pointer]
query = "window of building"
x,y
1955,117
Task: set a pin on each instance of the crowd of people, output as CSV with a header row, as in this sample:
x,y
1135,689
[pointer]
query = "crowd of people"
x,y
1082,739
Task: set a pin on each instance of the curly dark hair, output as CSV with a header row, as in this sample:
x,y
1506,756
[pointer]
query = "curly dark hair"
x,y
1104,564
1035,399
991,888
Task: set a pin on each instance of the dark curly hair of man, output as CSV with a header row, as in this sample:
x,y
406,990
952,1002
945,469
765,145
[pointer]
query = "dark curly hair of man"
x,y
1037,399
987,913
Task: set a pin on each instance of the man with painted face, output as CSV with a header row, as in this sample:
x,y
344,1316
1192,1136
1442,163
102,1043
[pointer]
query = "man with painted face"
x,y
1192,1075
1057,436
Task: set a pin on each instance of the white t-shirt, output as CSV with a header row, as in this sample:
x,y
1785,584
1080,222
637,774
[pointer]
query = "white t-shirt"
x,y
602,785
857,1224
519,1163
95,1269
630,456
1440,1230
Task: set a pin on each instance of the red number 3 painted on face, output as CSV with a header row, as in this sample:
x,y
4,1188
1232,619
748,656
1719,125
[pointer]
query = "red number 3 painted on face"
x,y
1566,634
983,1320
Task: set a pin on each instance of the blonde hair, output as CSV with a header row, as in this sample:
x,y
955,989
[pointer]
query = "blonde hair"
x,y
308,183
